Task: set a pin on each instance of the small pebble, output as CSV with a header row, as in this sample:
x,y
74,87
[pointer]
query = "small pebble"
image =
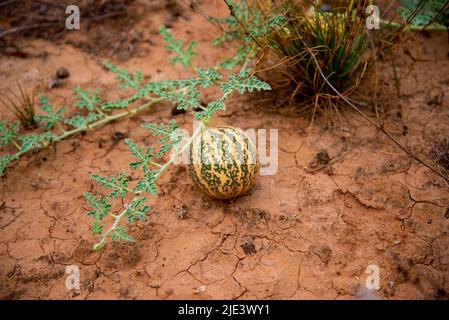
x,y
182,212
322,157
380,247
62,73
117,136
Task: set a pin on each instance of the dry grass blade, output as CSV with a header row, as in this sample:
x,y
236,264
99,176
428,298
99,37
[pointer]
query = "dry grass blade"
x,y
338,38
22,106
367,118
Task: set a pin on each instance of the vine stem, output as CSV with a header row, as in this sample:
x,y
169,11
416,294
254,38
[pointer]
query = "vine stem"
x,y
61,128
156,164
232,11
107,119
183,149
102,241
16,144
99,245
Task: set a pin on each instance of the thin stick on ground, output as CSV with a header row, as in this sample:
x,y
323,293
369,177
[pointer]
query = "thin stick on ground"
x,y
232,12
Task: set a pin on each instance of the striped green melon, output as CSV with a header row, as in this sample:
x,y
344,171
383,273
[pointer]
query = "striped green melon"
x,y
223,162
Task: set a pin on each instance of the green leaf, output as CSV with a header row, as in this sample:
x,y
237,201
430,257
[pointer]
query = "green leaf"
x,y
162,129
119,233
8,133
242,83
237,59
84,99
117,104
100,206
184,56
206,77
148,183
424,16
5,161
184,100
277,21
140,153
164,149
119,185
250,16
127,80
233,29
79,121
50,118
34,140
96,227
211,108
169,135
184,92
137,210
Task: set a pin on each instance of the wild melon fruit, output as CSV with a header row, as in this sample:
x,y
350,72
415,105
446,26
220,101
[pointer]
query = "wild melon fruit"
x,y
223,162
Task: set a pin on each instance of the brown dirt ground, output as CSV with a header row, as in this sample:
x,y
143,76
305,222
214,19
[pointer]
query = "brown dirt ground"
x,y
298,235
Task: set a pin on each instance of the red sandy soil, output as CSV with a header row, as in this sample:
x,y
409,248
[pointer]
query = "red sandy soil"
x,y
298,235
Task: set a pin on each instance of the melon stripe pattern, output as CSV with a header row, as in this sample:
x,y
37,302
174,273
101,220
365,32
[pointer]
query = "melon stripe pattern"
x,y
223,162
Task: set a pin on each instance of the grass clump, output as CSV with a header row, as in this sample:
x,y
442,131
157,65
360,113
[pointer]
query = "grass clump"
x,y
321,52
290,35
22,106
339,41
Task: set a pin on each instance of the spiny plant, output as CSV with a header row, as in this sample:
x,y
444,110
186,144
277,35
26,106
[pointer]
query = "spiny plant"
x,y
184,56
185,93
132,197
57,124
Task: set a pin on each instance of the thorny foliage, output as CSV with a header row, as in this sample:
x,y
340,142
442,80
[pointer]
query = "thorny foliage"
x,y
185,93
250,25
94,111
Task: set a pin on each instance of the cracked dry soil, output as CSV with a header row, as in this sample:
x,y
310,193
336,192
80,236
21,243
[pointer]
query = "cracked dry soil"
x,y
298,235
